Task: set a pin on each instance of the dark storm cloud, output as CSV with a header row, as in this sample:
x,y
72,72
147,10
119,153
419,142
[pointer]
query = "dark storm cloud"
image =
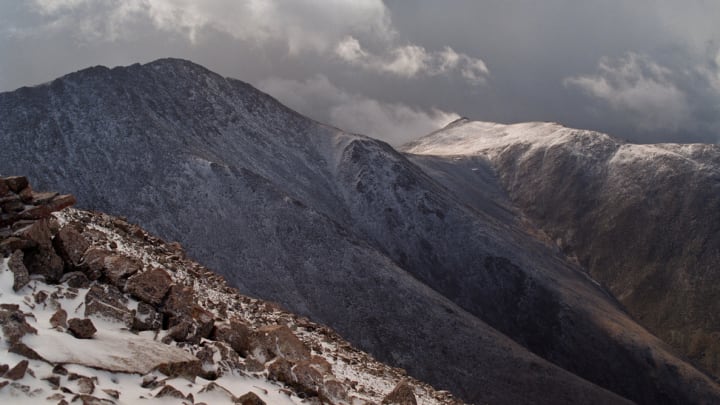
x,y
644,70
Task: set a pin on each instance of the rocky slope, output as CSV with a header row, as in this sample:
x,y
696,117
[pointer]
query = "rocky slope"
x,y
642,219
94,310
341,228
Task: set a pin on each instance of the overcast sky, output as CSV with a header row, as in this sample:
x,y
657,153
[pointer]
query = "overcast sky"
x,y
644,70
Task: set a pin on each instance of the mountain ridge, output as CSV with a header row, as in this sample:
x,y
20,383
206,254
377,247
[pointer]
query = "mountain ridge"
x,y
350,231
640,218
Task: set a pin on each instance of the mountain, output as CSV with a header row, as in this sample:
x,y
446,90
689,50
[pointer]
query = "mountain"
x,y
644,220
128,317
345,230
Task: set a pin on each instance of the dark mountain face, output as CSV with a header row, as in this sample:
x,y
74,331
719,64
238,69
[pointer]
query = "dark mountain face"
x,y
643,219
344,229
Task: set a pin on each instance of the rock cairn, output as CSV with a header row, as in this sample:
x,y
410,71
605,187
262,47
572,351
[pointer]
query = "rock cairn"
x,y
27,230
18,202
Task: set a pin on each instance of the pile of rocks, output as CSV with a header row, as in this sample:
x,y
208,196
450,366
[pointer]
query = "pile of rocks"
x,y
27,230
156,288
19,202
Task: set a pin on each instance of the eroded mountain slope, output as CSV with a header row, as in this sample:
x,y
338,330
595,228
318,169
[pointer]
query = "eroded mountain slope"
x,y
341,228
643,219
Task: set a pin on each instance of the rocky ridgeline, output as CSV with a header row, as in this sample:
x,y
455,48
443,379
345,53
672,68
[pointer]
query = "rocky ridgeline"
x,y
93,293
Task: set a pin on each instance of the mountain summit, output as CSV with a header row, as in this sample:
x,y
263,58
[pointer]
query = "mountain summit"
x,y
455,288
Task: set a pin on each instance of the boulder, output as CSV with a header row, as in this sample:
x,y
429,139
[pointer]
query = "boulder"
x,y
26,195
85,385
14,243
178,332
43,197
43,211
112,393
402,394
203,321
279,340
149,286
59,319
53,381
179,302
169,391
20,272
105,300
75,279
45,263
188,369
235,333
117,268
11,202
334,389
13,323
42,258
307,377
71,247
280,370
38,232
17,372
81,328
94,263
15,183
218,389
249,399
147,318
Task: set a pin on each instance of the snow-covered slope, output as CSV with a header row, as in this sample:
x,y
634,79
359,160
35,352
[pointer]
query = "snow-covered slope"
x,y
163,329
643,219
341,228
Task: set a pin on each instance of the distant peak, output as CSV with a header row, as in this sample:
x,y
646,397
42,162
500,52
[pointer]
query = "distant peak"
x,y
173,62
176,64
457,123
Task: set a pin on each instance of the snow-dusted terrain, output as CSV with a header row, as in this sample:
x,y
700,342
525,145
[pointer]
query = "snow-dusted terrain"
x,y
119,365
453,286
643,219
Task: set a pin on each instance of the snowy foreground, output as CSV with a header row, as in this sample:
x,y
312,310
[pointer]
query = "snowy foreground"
x,y
118,365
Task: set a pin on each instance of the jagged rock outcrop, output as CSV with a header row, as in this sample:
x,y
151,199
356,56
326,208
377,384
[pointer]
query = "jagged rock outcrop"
x,y
146,315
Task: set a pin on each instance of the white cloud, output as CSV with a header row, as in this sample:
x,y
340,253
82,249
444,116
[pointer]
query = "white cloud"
x,y
330,28
395,123
301,24
642,88
413,60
